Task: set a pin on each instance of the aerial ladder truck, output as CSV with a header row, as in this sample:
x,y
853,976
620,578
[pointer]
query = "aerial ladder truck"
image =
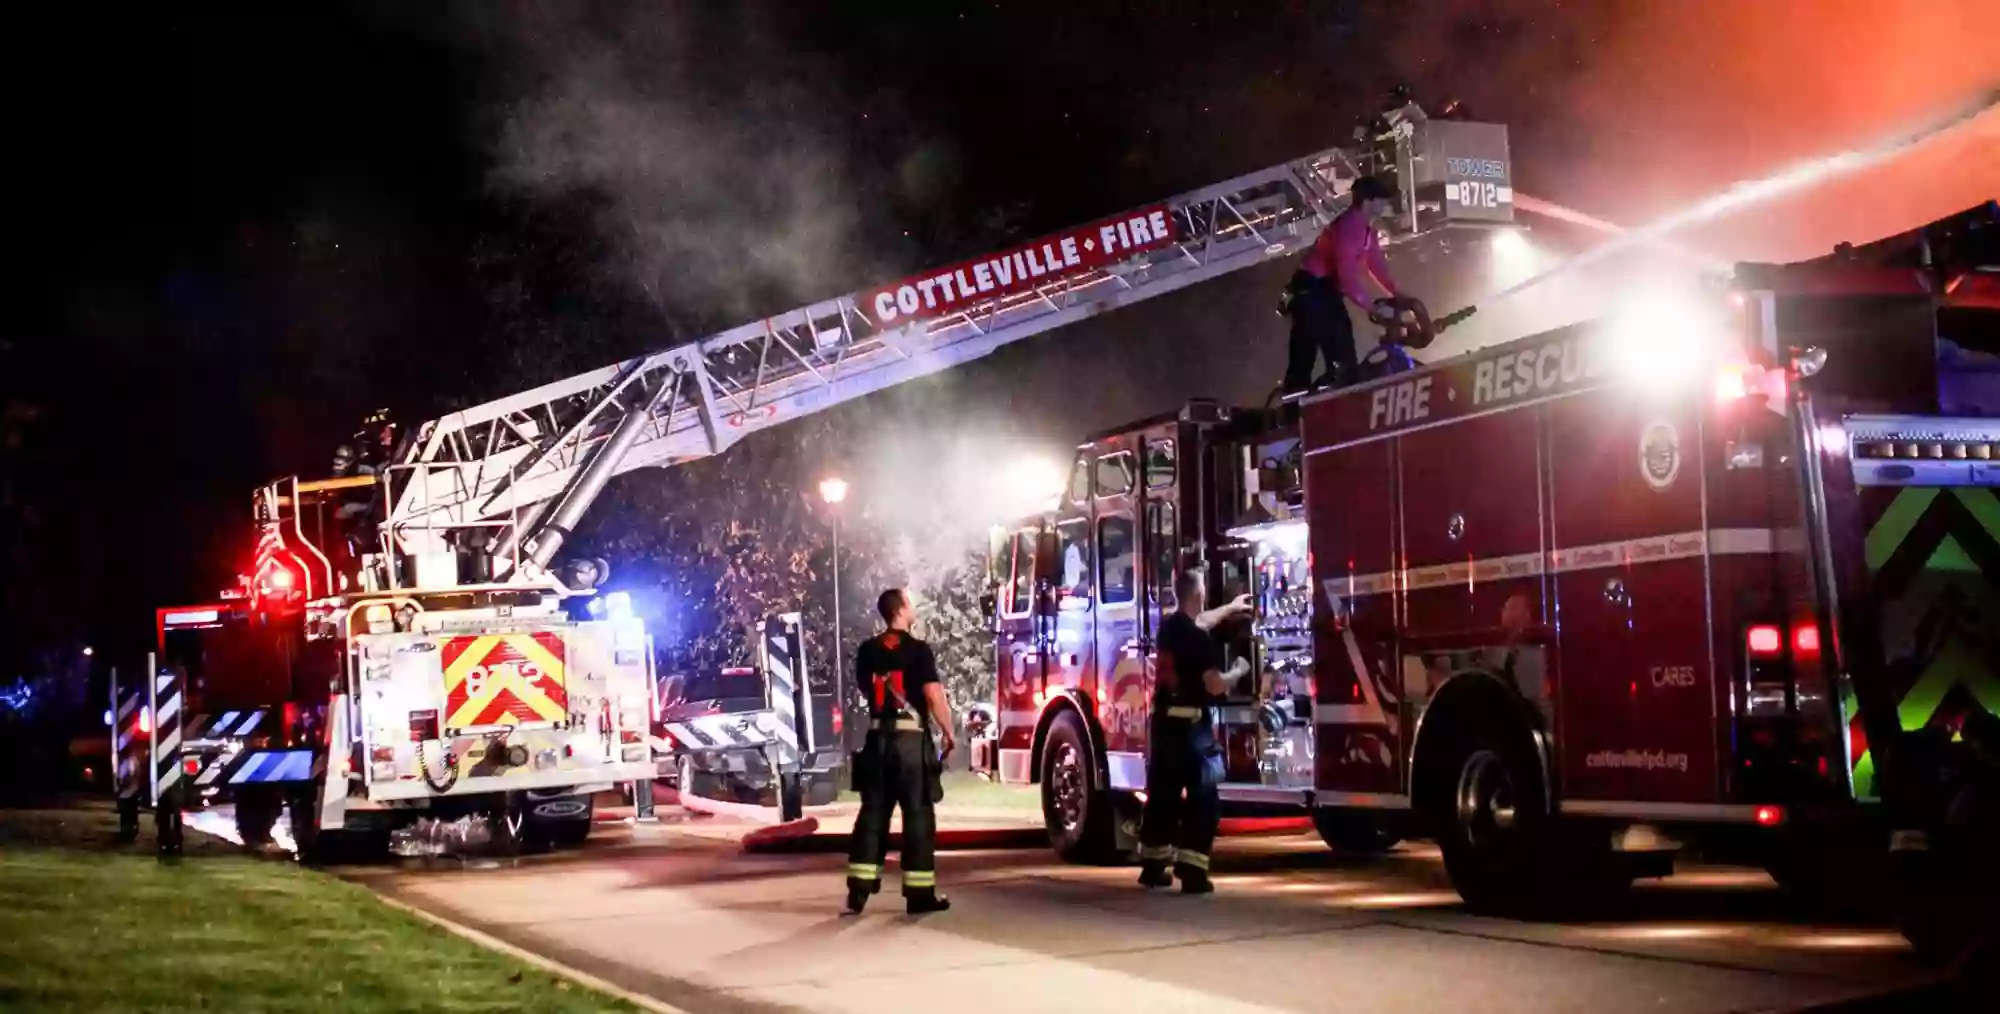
x,y
444,661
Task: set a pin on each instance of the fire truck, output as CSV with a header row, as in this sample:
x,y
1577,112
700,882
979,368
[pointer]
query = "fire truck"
x,y
440,661
1569,605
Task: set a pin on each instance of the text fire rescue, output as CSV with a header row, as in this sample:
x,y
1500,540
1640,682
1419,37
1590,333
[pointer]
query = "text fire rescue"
x,y
1494,380
1023,268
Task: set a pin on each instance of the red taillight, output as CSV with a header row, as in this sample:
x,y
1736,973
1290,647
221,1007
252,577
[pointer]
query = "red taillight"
x,y
145,721
1765,640
1805,640
1770,816
838,722
191,765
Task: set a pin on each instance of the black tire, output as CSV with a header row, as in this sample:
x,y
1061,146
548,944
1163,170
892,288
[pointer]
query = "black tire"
x,y
257,812
690,782
1491,820
1352,832
317,847
823,789
1075,808
538,831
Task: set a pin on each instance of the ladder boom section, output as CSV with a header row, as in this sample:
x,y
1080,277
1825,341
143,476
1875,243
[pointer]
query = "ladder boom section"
x,y
497,465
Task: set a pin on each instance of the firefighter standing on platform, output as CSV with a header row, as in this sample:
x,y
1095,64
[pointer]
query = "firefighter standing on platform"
x,y
899,765
1341,265
1185,756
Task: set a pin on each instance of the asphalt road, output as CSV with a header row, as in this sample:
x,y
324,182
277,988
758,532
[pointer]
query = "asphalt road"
x,y
696,923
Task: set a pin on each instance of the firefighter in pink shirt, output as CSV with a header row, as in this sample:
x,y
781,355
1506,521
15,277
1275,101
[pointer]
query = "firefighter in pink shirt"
x,y
1342,264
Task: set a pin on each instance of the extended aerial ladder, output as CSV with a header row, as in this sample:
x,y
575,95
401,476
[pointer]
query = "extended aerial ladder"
x,y
522,471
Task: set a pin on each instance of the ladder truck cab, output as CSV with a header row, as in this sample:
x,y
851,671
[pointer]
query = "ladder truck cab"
x,y
508,702
1570,605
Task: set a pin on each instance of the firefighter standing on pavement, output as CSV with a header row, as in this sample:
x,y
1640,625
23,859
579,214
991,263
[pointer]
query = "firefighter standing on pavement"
x,y
899,765
1342,262
1184,755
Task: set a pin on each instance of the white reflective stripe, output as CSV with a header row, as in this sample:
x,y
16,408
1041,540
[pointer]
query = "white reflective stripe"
x,y
1625,552
250,723
209,773
168,709
222,724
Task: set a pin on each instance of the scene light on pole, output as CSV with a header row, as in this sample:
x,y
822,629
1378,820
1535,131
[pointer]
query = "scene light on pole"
x,y
833,489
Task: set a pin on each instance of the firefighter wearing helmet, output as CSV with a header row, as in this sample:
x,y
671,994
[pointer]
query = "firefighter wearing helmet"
x,y
1185,757
900,764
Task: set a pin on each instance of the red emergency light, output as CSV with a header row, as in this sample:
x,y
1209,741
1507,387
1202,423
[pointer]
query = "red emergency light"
x,y
1805,639
1765,640
1769,816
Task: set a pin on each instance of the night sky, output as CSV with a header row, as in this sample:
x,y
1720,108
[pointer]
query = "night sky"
x,y
235,232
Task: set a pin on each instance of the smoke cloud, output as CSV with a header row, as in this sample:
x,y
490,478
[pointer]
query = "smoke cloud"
x,y
702,141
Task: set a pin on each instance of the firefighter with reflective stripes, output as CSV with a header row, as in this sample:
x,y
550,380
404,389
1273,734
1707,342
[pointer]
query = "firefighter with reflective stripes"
x,y
1185,756
900,764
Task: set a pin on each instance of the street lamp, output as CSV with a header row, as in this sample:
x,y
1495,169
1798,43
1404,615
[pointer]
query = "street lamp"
x,y
88,651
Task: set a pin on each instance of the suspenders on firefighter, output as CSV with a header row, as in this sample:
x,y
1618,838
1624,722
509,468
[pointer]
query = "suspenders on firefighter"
x,y
1184,756
900,764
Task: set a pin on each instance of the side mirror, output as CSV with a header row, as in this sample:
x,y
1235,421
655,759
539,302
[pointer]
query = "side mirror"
x,y
989,606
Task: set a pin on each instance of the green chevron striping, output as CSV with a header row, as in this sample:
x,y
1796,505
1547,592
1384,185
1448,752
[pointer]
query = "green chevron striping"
x,y
1895,524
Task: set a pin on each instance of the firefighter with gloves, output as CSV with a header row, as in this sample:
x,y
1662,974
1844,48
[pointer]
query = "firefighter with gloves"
x,y
899,766
1341,265
1185,755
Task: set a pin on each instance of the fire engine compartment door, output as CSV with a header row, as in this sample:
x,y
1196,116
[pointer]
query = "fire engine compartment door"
x,y
1921,562
502,680
1637,705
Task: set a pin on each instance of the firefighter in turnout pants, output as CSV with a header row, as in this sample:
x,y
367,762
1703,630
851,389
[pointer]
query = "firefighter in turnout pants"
x,y
900,764
1184,756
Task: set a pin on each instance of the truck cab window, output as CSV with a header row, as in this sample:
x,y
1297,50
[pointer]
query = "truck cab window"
x,y
1079,481
1159,464
1022,588
1117,556
1160,544
1114,474
1073,538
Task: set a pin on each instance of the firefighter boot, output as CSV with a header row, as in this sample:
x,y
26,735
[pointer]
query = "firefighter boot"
x,y
920,892
925,899
1154,874
858,892
1193,878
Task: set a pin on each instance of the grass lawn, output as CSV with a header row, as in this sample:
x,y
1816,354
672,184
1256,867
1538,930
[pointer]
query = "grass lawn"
x,y
963,788
90,926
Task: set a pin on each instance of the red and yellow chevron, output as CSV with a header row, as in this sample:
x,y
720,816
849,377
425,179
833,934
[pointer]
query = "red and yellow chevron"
x,y
504,679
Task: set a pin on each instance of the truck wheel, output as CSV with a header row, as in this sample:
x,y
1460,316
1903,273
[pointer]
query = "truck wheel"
x,y
556,820
316,847
1074,807
1351,832
823,790
696,783
257,812
1491,819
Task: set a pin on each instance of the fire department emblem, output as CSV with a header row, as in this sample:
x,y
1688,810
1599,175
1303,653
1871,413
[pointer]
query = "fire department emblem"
x,y
504,679
1660,454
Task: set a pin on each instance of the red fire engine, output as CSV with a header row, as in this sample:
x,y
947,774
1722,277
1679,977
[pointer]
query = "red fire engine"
x,y
1567,605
